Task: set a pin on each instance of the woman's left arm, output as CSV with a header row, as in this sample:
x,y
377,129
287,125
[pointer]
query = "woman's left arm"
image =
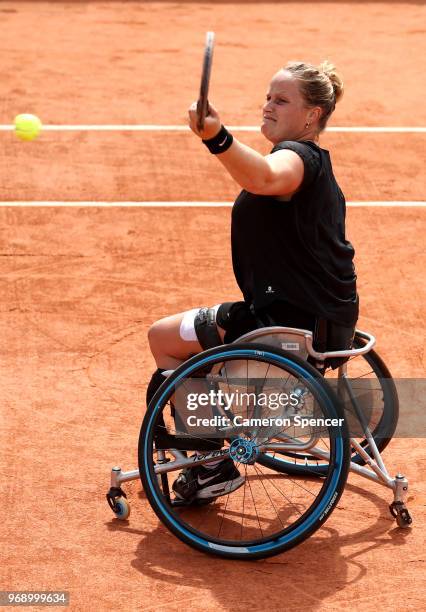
x,y
278,174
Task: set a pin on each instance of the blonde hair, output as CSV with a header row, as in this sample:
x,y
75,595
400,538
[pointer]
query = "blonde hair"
x,y
319,85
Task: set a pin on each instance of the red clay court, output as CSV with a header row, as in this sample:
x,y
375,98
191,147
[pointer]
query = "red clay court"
x,y
80,285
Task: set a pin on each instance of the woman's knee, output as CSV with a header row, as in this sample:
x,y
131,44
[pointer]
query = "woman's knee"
x,y
164,337
157,334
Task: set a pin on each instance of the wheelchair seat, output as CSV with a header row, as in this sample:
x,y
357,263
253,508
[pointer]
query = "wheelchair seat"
x,y
287,338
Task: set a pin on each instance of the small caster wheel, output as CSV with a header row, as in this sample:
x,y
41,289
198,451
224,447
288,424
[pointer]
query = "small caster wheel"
x,y
121,508
401,514
404,519
118,503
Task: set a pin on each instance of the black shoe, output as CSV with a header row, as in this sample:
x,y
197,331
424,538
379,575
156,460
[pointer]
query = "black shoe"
x,y
200,483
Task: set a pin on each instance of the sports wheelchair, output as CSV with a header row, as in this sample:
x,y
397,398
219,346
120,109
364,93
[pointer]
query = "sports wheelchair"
x,y
295,467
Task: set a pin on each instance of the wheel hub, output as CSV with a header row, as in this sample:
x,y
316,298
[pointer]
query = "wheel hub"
x,y
243,451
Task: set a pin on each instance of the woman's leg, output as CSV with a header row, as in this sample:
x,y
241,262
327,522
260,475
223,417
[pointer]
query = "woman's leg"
x,y
168,347
172,341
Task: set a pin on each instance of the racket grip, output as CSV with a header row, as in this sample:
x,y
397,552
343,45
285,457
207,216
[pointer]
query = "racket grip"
x,y
200,122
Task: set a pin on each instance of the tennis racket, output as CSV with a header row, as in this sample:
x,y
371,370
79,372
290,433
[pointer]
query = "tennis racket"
x,y
203,102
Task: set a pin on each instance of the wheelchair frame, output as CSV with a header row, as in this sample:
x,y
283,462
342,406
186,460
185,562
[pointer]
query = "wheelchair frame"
x,y
376,470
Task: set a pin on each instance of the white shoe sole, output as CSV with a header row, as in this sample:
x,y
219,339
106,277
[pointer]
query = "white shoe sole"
x,y
223,488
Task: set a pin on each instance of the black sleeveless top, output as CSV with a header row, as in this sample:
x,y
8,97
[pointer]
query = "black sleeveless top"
x,y
296,250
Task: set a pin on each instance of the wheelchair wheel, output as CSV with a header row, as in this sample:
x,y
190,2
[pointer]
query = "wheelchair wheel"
x,y
380,402
271,512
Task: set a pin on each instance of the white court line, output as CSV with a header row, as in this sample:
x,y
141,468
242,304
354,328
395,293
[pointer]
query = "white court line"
x,y
92,204
185,128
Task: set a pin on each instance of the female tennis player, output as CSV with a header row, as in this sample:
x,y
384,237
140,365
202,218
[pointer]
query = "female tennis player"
x,y
290,255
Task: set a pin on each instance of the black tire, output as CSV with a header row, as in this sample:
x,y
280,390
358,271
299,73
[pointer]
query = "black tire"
x,y
242,538
385,414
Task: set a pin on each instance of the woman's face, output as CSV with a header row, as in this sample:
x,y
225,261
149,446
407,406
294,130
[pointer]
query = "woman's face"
x,y
284,113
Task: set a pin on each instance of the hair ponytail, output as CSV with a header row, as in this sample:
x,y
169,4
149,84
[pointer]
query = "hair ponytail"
x,y
320,86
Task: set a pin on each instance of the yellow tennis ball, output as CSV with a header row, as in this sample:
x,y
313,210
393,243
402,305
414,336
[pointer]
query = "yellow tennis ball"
x,y
27,127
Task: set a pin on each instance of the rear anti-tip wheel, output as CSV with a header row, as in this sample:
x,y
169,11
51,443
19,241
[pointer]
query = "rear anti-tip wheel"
x,y
401,515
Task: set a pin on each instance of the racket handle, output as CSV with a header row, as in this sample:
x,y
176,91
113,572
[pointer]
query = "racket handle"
x,y
200,122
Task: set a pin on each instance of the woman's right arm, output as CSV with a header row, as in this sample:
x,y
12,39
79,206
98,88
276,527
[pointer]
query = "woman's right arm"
x,y
280,173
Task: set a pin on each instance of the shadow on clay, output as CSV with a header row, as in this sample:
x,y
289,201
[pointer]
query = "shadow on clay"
x,y
314,570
